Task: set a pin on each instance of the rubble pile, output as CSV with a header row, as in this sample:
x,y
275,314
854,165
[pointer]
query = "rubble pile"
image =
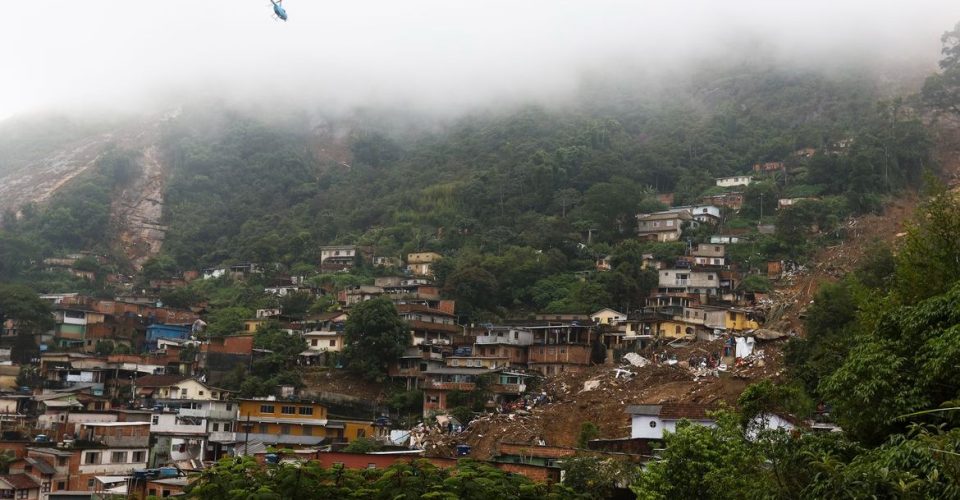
x,y
600,395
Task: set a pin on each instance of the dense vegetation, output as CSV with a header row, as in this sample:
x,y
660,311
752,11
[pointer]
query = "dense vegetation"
x,y
469,480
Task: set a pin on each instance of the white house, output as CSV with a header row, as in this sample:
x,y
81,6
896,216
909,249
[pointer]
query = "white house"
x,y
737,180
651,421
607,316
707,214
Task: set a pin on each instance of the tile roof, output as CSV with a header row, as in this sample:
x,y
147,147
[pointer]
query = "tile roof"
x,y
42,465
20,481
159,380
671,411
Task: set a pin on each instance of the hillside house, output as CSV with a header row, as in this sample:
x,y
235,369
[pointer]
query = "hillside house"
x,y
607,316
688,281
709,255
770,167
704,214
381,261
337,258
663,226
428,325
421,263
19,486
651,421
505,341
732,200
300,422
737,180
158,331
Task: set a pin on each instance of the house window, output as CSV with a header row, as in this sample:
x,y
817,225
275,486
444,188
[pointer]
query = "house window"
x,y
333,342
288,410
266,409
216,427
306,410
61,485
709,277
155,420
118,457
183,393
62,461
229,406
433,399
307,431
678,329
285,429
138,457
92,457
226,427
90,483
361,433
264,429
313,342
371,466
653,424
45,487
200,393
516,335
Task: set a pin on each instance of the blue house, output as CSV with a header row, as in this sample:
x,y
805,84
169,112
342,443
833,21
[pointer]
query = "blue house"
x,y
159,331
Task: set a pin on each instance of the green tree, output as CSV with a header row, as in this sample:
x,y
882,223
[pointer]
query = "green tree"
x,y
927,263
30,315
227,321
942,90
588,431
375,338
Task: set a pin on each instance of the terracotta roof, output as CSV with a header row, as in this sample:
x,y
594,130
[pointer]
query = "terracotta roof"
x,y
671,411
159,380
20,481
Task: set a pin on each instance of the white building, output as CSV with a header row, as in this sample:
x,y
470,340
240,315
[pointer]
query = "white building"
x,y
607,316
651,421
738,180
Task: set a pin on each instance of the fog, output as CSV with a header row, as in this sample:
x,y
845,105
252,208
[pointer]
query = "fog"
x,y
438,55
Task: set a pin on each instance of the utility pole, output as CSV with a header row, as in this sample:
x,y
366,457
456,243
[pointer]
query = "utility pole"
x,y
761,210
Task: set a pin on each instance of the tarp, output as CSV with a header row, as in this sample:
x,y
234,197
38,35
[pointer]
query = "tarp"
x,y
399,437
635,359
745,346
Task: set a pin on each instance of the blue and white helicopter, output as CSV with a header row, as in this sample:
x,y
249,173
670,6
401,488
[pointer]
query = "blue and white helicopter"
x,y
278,9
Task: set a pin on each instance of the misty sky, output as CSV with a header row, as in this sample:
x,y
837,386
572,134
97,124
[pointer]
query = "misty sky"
x,y
88,54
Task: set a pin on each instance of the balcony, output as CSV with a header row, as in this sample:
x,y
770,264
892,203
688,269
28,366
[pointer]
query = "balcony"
x,y
224,437
506,340
508,388
681,282
452,386
209,414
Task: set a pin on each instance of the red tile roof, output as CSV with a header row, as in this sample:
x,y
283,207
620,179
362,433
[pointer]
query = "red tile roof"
x,y
20,481
159,380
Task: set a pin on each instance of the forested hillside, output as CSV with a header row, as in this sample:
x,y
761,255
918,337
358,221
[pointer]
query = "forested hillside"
x,y
516,199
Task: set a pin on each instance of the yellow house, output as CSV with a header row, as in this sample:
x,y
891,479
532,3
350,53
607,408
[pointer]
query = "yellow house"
x,y
296,422
738,320
673,329
252,325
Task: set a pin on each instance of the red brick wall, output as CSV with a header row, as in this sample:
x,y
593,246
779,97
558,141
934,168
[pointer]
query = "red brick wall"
x,y
234,344
563,353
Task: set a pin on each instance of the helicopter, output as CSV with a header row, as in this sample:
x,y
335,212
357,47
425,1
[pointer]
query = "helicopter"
x,y
278,9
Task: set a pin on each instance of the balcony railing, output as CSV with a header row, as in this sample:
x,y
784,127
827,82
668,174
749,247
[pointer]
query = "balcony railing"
x,y
207,413
453,386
